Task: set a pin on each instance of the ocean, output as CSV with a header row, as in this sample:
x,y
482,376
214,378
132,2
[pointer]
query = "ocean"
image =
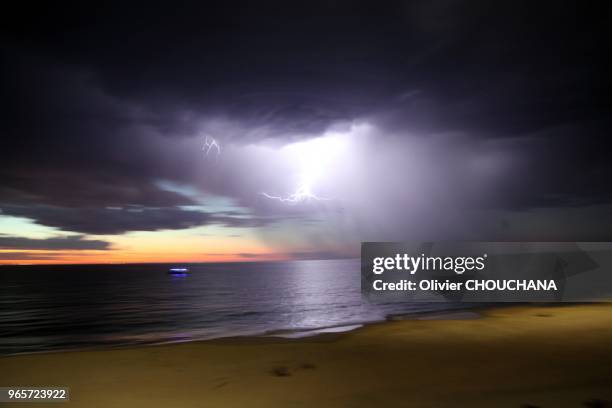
x,y
46,308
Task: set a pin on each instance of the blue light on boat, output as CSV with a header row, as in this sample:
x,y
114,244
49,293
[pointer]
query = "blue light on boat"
x,y
180,272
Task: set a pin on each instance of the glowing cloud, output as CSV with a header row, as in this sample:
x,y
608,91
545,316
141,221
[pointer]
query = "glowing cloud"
x,y
316,159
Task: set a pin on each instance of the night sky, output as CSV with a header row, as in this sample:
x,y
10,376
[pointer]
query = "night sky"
x,y
336,123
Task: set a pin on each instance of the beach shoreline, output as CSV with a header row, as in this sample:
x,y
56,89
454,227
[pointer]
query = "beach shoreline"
x,y
511,356
294,333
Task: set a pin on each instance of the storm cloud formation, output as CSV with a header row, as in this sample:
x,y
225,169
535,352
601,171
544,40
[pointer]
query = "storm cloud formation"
x,y
71,242
465,120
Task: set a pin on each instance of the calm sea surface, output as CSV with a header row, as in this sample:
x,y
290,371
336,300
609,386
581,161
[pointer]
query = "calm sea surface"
x,y
78,306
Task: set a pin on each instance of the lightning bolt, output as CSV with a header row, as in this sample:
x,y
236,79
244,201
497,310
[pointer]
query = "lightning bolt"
x,y
315,158
209,144
302,194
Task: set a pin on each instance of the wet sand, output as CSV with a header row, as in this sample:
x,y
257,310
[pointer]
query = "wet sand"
x,y
510,357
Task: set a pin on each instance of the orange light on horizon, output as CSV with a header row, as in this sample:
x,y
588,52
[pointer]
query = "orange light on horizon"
x,y
103,257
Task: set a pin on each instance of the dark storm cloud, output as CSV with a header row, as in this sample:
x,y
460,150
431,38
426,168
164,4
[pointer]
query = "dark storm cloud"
x,y
473,63
118,220
110,221
99,98
69,143
26,256
75,242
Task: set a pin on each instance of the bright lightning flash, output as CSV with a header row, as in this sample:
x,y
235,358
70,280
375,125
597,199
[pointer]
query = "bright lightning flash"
x,y
315,158
302,194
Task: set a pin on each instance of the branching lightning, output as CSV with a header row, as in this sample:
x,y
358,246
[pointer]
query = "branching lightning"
x,y
315,158
211,144
302,194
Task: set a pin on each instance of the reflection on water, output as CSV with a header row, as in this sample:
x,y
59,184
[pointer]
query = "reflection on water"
x,y
57,307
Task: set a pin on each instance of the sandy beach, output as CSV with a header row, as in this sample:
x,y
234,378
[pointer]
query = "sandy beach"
x,y
509,357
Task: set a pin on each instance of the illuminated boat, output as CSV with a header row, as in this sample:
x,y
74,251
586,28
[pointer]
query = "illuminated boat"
x,y
179,271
